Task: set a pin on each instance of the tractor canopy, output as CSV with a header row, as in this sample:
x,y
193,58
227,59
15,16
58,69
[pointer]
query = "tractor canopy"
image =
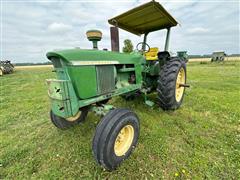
x,y
88,57
144,19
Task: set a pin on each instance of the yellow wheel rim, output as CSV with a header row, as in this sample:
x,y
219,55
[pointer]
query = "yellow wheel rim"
x,y
124,140
74,118
180,89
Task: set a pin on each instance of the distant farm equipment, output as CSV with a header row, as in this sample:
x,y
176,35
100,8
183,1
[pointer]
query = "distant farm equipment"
x,y
218,56
6,67
183,55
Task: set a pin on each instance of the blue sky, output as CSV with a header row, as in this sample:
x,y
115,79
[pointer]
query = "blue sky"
x,y
29,29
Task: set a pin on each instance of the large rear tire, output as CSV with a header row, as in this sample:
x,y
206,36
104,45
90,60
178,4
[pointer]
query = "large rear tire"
x,y
63,123
170,90
115,138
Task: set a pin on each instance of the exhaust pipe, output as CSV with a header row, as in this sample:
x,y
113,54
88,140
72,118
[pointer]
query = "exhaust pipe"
x,y
114,39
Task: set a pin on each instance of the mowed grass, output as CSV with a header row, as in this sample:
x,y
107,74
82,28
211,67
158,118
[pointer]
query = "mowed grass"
x,y
199,140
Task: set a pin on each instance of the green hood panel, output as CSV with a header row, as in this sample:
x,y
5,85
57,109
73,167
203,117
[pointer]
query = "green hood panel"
x,y
73,55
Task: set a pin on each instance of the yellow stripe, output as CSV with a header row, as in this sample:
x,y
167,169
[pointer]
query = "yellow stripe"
x,y
84,63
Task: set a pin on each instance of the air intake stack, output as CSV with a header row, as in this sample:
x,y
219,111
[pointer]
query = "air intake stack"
x,y
94,36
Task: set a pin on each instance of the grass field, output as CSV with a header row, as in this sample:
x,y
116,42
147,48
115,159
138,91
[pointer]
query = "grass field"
x,y
201,140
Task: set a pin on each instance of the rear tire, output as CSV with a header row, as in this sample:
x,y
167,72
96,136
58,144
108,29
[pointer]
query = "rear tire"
x,y
63,123
115,138
172,74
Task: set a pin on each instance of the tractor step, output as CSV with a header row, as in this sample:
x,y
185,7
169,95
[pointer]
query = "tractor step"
x,y
184,85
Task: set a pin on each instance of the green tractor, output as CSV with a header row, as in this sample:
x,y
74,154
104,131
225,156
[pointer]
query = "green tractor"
x,y
87,79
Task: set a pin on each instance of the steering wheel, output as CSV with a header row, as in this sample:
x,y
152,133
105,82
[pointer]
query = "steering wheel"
x,y
140,49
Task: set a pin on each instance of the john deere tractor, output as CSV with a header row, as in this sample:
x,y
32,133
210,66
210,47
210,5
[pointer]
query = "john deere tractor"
x,y
88,78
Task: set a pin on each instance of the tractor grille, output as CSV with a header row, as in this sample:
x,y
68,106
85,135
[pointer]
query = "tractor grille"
x,y
105,78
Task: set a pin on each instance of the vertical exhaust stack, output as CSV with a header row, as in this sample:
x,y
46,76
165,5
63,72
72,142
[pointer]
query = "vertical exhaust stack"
x,y
94,36
114,39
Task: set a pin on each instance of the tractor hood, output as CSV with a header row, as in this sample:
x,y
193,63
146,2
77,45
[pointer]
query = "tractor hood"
x,y
87,57
146,18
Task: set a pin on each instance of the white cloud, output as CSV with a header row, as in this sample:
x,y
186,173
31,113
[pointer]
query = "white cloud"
x,y
30,29
198,30
59,27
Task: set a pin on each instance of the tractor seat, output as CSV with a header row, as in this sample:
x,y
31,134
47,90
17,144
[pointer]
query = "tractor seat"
x,y
152,54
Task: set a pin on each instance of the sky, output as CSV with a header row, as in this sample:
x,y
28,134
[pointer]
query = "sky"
x,y
29,29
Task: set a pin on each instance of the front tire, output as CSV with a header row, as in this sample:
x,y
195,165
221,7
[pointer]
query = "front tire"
x,y
115,138
170,90
63,123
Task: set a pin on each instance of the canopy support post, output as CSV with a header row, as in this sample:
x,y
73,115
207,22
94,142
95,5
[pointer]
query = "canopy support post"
x,y
144,42
167,39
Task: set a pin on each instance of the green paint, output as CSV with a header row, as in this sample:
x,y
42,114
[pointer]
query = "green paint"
x,y
89,76
117,92
149,103
101,110
63,99
73,55
84,80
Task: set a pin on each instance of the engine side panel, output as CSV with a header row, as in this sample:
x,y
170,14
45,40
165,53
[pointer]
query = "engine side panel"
x,y
84,80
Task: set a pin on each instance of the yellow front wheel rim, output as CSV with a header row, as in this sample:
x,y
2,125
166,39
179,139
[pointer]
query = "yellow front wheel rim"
x,y
74,118
124,140
180,89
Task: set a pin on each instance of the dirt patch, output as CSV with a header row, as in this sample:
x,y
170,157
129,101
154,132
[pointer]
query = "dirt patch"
x,y
237,58
30,67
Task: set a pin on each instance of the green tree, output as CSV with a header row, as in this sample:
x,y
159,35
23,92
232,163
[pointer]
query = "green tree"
x,y
128,46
